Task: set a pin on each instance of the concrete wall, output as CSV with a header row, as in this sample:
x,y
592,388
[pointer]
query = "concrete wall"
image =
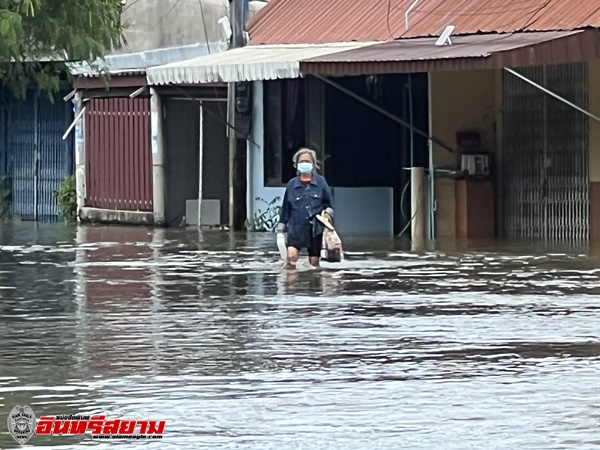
x,y
360,211
594,149
594,106
155,24
182,125
255,158
215,158
459,101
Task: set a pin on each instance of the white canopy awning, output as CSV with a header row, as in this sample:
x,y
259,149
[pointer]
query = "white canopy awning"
x,y
250,63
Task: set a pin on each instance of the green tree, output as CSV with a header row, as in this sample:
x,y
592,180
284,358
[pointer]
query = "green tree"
x,y
37,38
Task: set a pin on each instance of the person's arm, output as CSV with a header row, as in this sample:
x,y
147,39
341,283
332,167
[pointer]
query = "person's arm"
x,y
284,213
328,200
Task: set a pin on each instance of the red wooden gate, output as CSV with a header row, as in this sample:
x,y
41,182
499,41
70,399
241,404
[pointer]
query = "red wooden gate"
x,y
118,154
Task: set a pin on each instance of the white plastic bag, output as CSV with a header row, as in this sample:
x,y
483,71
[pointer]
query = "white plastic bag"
x,y
281,246
331,247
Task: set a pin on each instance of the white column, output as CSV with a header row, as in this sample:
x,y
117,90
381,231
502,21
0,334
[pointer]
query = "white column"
x,y
79,152
158,168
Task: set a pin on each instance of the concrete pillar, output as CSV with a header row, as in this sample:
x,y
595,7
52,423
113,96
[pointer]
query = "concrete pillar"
x,y
158,158
232,154
80,181
418,205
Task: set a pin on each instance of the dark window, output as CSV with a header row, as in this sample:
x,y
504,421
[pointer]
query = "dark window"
x,y
284,124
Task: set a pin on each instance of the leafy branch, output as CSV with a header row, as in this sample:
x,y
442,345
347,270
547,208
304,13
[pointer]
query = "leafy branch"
x,y
264,220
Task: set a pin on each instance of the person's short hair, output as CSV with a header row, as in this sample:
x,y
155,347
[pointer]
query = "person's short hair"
x,y
309,152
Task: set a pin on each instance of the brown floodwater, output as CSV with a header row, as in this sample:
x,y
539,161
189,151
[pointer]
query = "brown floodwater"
x,y
471,345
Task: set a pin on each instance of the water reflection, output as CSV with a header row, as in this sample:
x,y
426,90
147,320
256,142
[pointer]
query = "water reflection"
x,y
471,345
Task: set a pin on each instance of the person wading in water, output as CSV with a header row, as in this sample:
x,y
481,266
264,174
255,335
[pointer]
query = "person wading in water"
x,y
306,195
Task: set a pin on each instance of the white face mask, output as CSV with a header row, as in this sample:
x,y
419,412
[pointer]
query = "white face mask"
x,y
305,167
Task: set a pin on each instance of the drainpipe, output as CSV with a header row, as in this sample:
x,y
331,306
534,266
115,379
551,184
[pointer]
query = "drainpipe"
x,y
431,194
158,168
79,152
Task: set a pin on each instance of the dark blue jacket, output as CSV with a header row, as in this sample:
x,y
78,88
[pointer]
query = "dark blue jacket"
x,y
302,203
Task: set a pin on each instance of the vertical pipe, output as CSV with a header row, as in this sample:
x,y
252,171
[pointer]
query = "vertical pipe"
x,y
410,118
431,170
79,153
200,164
431,194
158,157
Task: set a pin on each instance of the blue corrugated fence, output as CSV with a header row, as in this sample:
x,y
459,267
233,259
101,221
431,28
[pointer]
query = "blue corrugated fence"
x,y
38,159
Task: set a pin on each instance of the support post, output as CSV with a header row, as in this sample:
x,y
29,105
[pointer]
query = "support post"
x,y
236,19
232,153
158,157
418,208
79,152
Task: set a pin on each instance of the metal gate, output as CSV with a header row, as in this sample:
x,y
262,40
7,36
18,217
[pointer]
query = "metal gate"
x,y
545,155
118,154
38,159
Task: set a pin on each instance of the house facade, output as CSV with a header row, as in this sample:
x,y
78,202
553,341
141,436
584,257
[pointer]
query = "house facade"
x,y
518,89
121,176
145,153
378,93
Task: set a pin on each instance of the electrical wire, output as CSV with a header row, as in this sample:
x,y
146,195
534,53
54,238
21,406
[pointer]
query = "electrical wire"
x,y
166,15
402,208
204,26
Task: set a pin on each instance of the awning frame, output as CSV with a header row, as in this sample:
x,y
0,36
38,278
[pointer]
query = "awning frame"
x,y
249,63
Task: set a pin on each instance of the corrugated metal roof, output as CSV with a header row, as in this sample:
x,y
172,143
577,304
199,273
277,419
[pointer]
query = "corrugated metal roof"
x,y
429,18
466,52
318,21
250,63
128,64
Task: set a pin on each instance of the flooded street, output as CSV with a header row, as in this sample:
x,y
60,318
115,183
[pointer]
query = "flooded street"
x,y
488,347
